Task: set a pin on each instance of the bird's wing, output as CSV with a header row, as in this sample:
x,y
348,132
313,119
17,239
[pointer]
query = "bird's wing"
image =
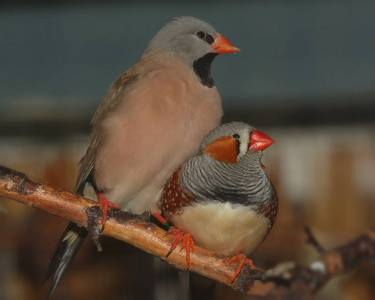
x,y
113,98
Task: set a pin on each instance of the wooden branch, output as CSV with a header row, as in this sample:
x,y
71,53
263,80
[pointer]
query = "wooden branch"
x,y
144,235
286,280
304,282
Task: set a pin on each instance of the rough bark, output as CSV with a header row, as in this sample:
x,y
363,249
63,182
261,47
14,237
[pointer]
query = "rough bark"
x,y
286,280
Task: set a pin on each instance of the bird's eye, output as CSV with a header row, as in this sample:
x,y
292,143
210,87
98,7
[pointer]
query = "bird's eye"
x,y
201,34
236,136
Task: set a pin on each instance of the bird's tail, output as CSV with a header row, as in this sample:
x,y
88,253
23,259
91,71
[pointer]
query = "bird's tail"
x,y
67,248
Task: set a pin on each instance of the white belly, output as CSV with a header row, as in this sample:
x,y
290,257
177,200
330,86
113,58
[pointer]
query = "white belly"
x,y
223,227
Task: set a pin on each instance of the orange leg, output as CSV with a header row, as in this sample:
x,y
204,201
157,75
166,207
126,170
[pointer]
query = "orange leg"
x,y
161,219
186,240
104,205
242,260
187,243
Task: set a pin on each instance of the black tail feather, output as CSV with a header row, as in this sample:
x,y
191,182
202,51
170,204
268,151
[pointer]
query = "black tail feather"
x,y
67,248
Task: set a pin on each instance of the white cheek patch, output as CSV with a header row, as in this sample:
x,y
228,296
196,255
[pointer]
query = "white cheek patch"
x,y
244,144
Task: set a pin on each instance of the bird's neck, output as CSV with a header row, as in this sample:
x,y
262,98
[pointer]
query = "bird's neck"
x,y
202,68
153,59
245,183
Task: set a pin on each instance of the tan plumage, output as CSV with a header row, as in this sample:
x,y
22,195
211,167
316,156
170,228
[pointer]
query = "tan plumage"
x,y
162,119
152,119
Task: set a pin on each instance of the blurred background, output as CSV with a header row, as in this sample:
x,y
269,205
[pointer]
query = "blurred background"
x,y
305,76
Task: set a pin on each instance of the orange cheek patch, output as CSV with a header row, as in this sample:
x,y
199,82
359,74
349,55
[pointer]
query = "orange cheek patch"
x,y
223,149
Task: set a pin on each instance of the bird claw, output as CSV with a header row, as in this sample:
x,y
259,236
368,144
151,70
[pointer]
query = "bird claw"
x,y
104,205
186,240
242,260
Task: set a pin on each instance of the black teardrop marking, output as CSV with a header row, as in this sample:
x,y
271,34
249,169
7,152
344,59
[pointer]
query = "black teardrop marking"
x,y
202,67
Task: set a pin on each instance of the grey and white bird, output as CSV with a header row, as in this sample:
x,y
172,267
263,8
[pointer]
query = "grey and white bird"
x,y
222,199
152,119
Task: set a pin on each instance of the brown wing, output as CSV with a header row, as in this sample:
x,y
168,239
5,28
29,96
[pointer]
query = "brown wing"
x,y
113,98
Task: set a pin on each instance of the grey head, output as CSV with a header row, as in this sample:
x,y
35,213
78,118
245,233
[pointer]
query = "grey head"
x,y
194,41
188,37
239,131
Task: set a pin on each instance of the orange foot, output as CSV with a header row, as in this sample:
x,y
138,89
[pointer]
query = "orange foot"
x,y
242,260
104,205
187,243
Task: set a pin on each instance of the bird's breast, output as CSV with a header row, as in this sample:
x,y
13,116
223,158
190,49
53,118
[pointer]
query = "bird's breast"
x,y
223,227
159,124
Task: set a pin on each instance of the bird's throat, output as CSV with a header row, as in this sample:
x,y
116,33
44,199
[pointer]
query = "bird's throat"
x,y
202,67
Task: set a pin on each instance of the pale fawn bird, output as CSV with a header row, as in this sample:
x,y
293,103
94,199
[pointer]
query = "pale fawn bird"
x,y
152,119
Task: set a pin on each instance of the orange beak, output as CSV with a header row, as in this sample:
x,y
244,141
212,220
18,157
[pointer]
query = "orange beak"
x,y
221,45
260,141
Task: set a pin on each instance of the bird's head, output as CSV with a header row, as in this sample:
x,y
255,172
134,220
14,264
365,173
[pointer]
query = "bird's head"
x,y
232,141
191,39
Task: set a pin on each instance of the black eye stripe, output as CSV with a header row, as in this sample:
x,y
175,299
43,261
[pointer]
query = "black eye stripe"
x,y
209,39
206,37
237,138
238,147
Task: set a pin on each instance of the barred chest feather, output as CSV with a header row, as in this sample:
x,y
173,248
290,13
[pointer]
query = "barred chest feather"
x,y
223,227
